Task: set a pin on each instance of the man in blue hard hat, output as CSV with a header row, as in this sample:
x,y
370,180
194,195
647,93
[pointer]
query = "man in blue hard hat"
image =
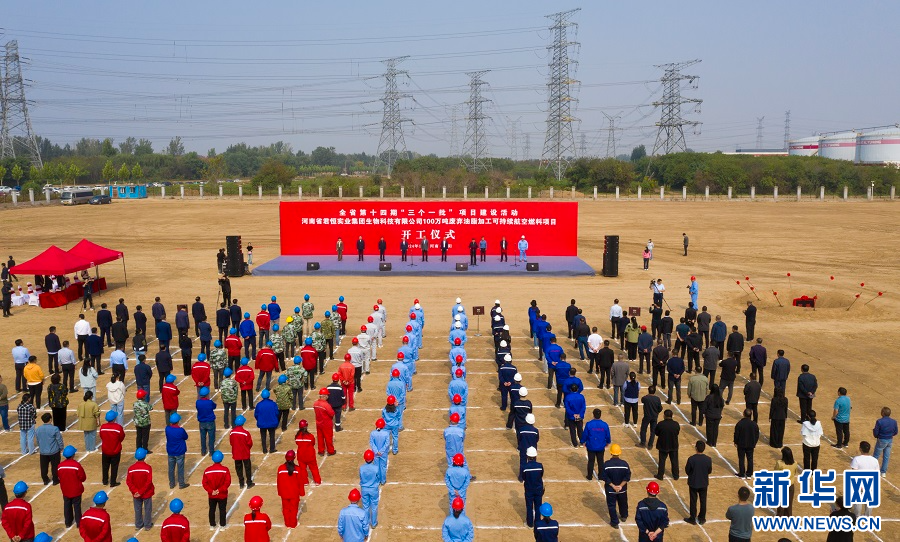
x,y
545,528
176,447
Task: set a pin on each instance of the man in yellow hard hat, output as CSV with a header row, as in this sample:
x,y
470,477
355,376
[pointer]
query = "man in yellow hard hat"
x,y
616,474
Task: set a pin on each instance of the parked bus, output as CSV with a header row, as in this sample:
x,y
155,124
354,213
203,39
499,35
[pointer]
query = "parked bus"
x,y
74,197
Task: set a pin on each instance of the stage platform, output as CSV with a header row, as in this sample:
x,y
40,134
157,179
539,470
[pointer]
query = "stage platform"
x,y
291,266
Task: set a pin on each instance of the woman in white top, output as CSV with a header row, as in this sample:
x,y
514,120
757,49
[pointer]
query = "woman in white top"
x,y
811,431
115,394
87,377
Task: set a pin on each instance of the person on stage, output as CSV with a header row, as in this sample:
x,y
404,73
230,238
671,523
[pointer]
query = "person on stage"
x,y
404,247
482,247
360,247
473,252
382,247
523,250
445,246
423,242
339,247
504,246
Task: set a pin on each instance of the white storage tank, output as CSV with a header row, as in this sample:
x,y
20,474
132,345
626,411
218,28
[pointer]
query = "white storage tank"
x,y
805,146
839,146
879,146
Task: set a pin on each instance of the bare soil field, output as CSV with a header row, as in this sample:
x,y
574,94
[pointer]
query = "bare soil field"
x,y
170,248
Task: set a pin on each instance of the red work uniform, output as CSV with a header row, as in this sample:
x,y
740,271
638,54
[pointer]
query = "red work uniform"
x,y
324,426
256,529
200,374
347,372
342,310
176,528
111,437
95,525
17,519
310,357
306,456
244,376
170,394
234,345
290,489
263,320
140,480
266,360
71,478
217,476
241,443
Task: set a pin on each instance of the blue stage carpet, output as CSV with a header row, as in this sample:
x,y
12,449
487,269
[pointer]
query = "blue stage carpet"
x,y
560,266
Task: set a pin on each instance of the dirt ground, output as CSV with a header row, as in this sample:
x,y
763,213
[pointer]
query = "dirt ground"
x,y
170,248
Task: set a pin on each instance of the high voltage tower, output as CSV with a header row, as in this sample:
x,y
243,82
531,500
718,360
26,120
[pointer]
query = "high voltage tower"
x,y
16,124
611,136
454,131
670,137
474,154
391,146
787,129
759,131
513,128
526,152
582,145
559,144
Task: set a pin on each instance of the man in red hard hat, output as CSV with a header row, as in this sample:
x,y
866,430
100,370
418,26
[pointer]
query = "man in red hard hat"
x,y
290,489
324,423
306,453
651,516
353,523
356,358
347,373
256,524
370,481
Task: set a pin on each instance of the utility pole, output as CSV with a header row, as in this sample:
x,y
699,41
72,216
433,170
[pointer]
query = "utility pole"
x,y
15,110
787,129
559,143
475,154
759,131
670,136
392,145
611,136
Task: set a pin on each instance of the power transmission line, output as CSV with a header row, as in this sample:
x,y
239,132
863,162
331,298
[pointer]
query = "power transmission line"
x,y
670,136
392,145
475,154
611,135
759,131
787,129
454,131
526,153
559,144
514,138
16,124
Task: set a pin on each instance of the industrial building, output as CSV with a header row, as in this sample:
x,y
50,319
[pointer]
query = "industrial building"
x,y
874,146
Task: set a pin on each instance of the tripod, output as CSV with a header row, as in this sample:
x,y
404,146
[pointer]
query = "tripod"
x,y
516,260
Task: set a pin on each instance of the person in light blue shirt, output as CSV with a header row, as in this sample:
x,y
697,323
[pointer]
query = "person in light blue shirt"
x,y
118,362
458,527
20,356
380,443
458,386
523,249
397,388
694,290
391,416
454,439
370,480
457,477
841,417
353,524
405,373
457,333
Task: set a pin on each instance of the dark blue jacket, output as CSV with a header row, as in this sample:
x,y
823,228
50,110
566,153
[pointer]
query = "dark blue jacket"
x,y
540,328
781,368
274,311
596,435
198,311
574,405
546,530
206,410
553,351
248,329
266,414
718,332
645,341
651,514
533,477
182,320
104,319
205,331
615,471
567,383
176,440
164,361
142,374
675,366
140,320
223,318
164,331
94,345
506,373
561,367
631,389
528,436
885,428
236,314
158,311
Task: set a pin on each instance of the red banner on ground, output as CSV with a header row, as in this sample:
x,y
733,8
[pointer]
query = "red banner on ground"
x,y
313,227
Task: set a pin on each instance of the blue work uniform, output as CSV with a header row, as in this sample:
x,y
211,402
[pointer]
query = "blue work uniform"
x,y
405,373
353,524
507,372
523,250
615,472
457,480
409,357
274,311
458,386
397,388
546,530
455,310
458,529
533,478
561,368
651,515
695,292
392,424
380,443
416,331
461,410
528,436
457,333
463,319
520,409
370,479
457,351
454,442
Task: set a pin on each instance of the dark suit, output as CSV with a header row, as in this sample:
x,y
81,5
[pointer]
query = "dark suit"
x,y
404,246
504,245
424,244
473,252
445,246
382,246
698,469
198,312
360,247
122,313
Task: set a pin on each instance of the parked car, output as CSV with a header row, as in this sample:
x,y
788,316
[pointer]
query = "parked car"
x,y
74,197
98,200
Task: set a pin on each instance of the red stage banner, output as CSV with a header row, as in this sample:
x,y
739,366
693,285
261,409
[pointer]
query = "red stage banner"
x,y
313,227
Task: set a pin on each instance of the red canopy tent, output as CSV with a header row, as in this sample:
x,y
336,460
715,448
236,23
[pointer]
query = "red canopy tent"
x,y
53,261
97,254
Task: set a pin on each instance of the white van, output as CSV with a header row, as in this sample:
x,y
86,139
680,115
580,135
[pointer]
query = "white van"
x,y
74,197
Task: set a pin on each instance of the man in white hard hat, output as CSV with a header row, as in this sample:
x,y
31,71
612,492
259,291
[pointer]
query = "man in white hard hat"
x,y
523,249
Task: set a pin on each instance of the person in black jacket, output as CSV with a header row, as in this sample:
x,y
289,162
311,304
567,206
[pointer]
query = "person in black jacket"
x,y
605,359
693,343
652,407
158,310
223,321
360,248
666,327
806,390
473,252
690,314
571,313
105,322
225,286
163,364
198,313
236,313
778,411
655,320
140,320
659,357
445,246
758,359
712,411
750,320
729,370
667,444
120,333
752,391
746,435
382,247
735,345
698,468
122,311
704,319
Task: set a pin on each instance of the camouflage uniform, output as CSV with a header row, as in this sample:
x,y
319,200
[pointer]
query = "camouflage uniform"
x,y
318,342
328,332
278,347
218,360
283,396
307,309
336,321
289,332
229,391
297,376
142,413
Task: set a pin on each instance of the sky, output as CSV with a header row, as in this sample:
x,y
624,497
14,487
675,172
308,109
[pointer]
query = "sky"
x,y
311,73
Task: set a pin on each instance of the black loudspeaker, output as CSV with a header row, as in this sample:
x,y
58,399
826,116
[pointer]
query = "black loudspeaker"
x,y
312,266
611,256
462,267
384,266
532,266
234,266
